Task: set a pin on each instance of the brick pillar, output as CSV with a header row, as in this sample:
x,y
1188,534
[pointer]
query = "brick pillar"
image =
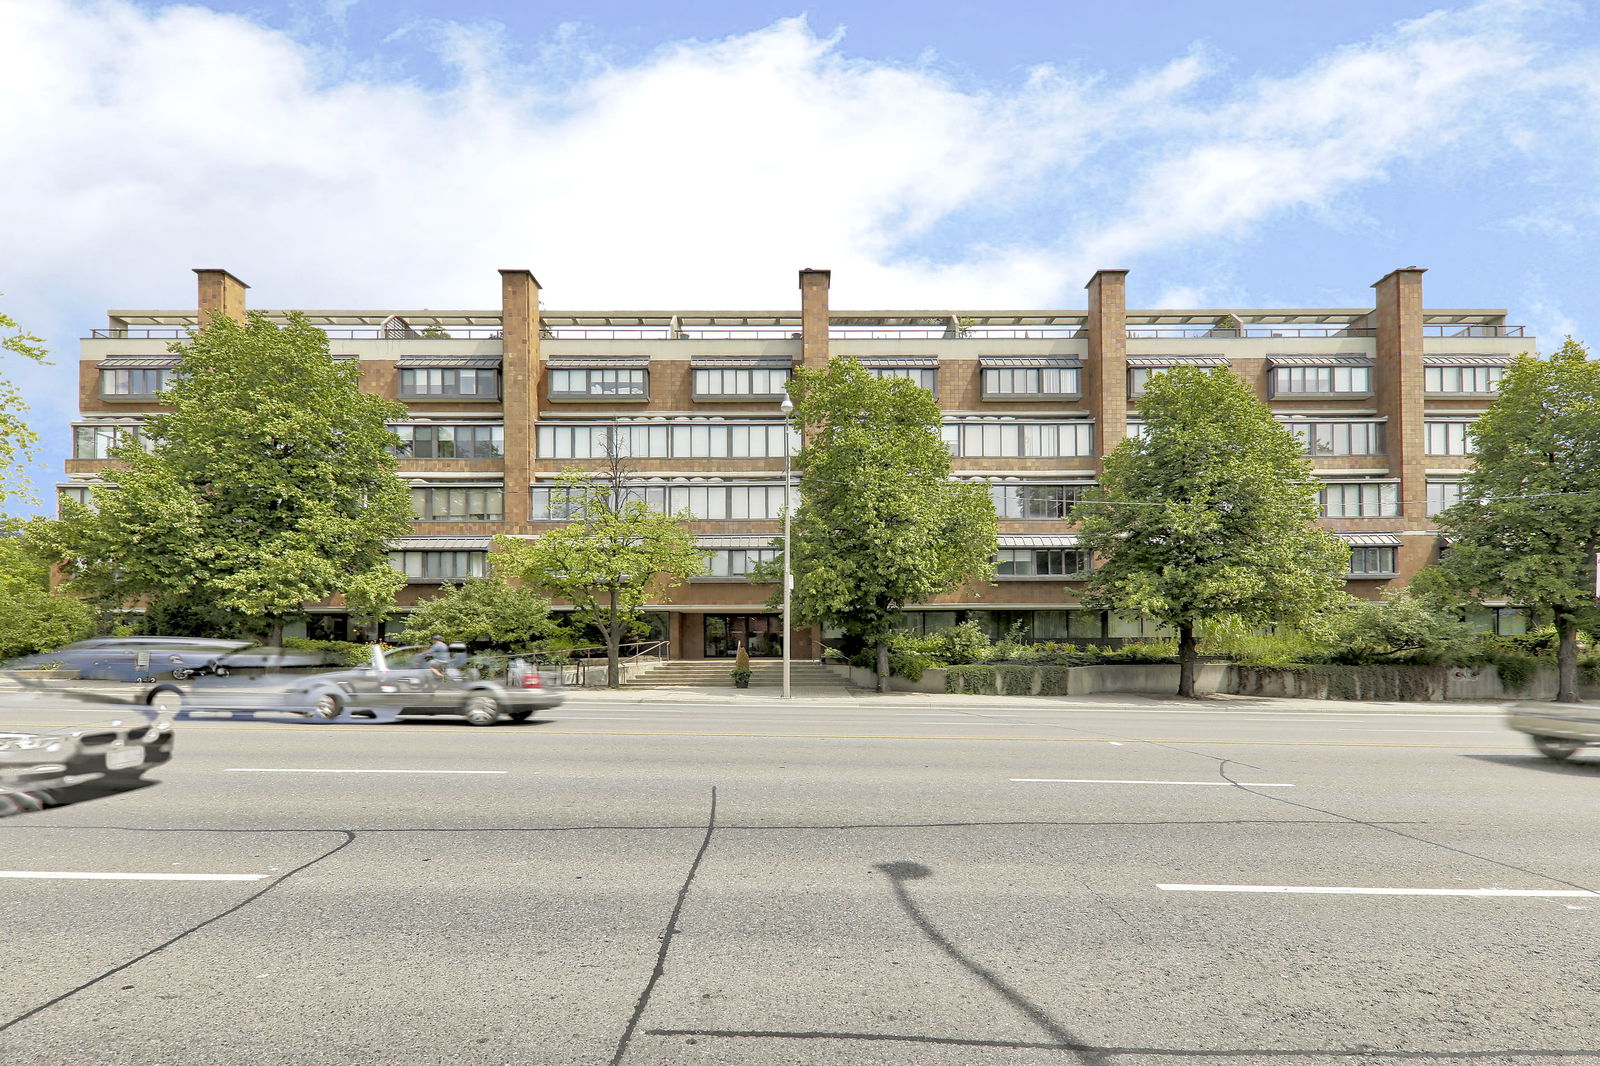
x,y
220,294
1105,378
520,371
1397,385
814,317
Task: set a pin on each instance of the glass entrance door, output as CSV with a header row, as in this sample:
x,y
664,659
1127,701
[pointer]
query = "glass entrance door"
x,y
761,634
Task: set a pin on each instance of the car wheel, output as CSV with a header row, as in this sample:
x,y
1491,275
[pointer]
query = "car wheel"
x,y
220,671
521,716
327,705
482,710
165,701
180,674
1558,748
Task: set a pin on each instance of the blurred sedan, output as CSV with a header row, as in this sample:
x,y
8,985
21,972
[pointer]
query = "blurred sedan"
x,y
134,658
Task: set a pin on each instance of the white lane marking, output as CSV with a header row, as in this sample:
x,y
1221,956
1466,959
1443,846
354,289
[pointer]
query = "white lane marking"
x,y
1373,729
1097,781
598,718
278,770
1321,890
65,875
930,714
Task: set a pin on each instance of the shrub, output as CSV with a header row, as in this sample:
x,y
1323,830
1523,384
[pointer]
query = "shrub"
x,y
32,620
1399,628
1156,651
960,645
971,680
342,652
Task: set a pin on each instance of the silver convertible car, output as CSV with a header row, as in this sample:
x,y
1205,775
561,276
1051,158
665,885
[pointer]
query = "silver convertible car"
x,y
1559,731
394,682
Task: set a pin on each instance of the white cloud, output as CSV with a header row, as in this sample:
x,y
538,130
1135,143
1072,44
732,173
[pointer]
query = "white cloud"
x,y
141,143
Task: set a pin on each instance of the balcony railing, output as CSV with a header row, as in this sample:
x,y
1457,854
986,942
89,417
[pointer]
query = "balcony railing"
x,y
1452,329
373,333
1196,332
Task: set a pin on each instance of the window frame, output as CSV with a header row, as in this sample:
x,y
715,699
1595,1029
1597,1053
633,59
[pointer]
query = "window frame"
x,y
429,512
407,432
1039,374
1334,372
1387,493
1073,569
449,383
701,374
589,391
476,562
1376,553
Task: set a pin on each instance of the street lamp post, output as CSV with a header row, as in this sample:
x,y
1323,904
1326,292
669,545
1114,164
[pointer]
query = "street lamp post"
x,y
787,407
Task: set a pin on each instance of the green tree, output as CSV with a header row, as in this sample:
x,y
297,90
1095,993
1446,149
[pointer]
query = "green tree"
x,y
614,555
32,617
1528,524
270,484
370,595
19,443
1401,627
488,610
880,524
1208,515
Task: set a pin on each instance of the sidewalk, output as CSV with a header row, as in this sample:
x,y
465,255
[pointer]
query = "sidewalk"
x,y
841,696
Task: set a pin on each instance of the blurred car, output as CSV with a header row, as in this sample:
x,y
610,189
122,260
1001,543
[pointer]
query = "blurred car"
x,y
250,680
37,762
134,658
1559,731
394,682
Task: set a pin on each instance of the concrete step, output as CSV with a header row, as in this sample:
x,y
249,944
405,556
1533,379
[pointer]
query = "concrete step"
x,y
716,674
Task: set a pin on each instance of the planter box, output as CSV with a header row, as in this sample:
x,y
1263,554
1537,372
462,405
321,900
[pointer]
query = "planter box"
x,y
61,674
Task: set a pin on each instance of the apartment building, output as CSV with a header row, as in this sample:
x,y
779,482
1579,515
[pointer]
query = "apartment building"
x,y
500,402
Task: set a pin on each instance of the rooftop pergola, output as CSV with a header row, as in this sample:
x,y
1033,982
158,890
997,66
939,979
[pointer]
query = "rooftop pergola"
x,y
670,320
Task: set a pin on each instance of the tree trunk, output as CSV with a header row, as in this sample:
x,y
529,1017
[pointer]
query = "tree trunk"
x,y
1566,660
613,647
883,667
275,633
1186,659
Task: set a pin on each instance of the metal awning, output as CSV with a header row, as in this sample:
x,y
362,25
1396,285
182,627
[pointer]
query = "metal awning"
x,y
450,362
1466,360
735,362
733,540
130,362
1370,540
1038,540
598,362
1176,360
1002,362
446,544
1318,360
886,361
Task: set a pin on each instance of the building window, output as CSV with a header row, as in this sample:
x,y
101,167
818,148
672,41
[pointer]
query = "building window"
x,y
95,441
141,382
1028,382
422,382
996,439
1372,562
705,503
441,565
1339,438
450,441
1360,499
1468,380
919,375
1024,501
1441,495
737,562
675,440
1501,621
1449,437
1321,380
609,383
478,504
748,382
1040,562
1139,430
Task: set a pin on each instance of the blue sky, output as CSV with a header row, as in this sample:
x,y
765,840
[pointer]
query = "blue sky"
x,y
365,154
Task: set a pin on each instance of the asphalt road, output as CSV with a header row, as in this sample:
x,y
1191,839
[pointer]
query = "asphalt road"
x,y
911,882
